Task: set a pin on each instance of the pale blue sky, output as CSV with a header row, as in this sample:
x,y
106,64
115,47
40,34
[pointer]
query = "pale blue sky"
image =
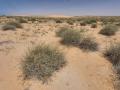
x,y
62,7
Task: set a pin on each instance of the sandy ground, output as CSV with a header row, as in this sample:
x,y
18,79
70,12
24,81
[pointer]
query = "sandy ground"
x,y
84,70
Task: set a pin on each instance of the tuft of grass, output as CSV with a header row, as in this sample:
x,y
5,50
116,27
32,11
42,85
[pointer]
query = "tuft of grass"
x,y
94,25
109,30
113,54
59,21
41,62
83,23
16,24
69,36
88,44
20,20
90,21
70,22
117,24
8,27
61,31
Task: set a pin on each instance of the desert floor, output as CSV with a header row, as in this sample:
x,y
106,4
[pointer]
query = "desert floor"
x,y
84,70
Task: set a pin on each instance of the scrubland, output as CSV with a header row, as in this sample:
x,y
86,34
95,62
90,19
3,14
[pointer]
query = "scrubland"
x,y
59,53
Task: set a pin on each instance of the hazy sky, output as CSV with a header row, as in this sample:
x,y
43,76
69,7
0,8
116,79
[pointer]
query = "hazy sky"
x,y
62,7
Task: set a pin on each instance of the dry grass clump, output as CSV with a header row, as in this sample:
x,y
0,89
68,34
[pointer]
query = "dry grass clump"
x,y
82,23
59,21
117,24
88,44
109,30
16,24
90,21
21,20
94,25
113,54
41,62
70,22
32,19
8,27
61,32
69,36
86,21
11,26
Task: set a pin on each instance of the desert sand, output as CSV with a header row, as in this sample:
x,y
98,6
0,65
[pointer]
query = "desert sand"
x,y
84,70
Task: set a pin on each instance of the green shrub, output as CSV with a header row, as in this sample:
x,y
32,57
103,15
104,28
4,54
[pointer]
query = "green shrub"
x,y
8,27
41,62
109,30
16,24
88,44
69,36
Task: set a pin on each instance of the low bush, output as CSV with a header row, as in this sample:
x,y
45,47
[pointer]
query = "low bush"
x,y
69,36
70,22
83,23
41,62
16,24
90,21
61,31
8,27
94,25
109,30
113,54
58,21
22,20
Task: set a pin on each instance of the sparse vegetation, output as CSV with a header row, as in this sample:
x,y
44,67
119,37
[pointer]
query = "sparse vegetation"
x,y
109,30
47,64
41,62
